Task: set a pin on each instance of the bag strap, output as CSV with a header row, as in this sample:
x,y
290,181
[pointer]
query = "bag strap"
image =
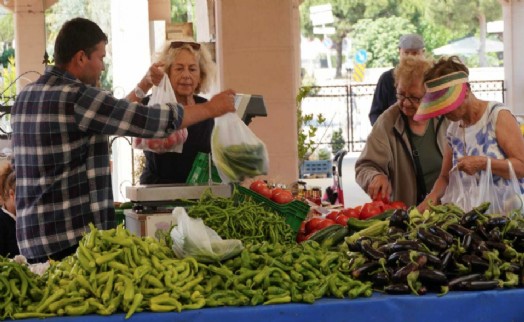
x,y
421,185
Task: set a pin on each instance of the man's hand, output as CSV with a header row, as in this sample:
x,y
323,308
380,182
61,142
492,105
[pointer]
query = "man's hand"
x,y
222,103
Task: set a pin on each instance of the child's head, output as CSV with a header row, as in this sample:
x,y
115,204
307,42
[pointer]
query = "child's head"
x,y
7,187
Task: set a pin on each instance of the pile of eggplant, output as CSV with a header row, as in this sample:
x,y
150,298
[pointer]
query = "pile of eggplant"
x,y
441,250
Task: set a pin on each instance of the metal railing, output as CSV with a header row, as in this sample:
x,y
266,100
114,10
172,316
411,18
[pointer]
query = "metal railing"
x,y
347,107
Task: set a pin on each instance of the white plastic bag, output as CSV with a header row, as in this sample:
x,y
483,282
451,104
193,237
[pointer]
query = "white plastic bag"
x,y
192,238
237,152
163,93
503,199
467,193
462,190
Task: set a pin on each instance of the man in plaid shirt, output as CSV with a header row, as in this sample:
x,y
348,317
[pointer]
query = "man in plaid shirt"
x,y
61,125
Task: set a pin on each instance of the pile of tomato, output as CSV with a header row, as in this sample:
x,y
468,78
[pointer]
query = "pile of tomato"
x,y
341,217
278,195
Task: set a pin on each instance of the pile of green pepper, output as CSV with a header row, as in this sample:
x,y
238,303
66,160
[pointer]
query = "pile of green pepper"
x,y
115,271
240,218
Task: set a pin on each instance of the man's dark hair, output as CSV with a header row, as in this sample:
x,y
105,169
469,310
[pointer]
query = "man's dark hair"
x,y
75,35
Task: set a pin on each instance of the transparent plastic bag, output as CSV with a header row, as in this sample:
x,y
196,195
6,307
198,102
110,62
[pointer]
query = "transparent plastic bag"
x,y
462,190
504,199
191,237
163,93
237,152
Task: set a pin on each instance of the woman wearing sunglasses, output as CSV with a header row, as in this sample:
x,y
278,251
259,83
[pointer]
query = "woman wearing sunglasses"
x,y
191,71
402,157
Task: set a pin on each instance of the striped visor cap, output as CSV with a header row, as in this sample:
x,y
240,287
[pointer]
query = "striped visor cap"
x,y
443,95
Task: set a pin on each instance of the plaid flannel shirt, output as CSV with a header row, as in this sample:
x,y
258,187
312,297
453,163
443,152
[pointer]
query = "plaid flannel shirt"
x,y
61,157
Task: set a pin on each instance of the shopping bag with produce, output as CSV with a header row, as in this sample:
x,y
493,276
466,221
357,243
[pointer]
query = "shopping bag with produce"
x,y
462,190
504,198
191,237
163,93
237,152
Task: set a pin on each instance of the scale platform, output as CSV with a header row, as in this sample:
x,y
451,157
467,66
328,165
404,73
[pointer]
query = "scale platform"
x,y
153,204
171,192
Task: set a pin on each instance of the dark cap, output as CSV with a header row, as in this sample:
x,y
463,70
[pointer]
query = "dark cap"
x,y
411,41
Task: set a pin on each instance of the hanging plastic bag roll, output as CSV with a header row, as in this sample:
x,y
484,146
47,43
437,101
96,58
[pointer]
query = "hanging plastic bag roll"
x,y
237,152
163,93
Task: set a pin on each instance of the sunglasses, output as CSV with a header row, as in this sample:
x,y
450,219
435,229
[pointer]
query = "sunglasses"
x,y
178,44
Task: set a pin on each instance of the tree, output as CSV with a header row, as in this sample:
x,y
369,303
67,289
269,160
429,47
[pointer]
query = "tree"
x,y
181,10
465,16
379,37
7,29
337,141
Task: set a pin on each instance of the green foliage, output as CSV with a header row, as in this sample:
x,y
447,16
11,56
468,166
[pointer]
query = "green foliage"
x,y
7,81
6,56
324,154
379,37
307,125
179,10
462,16
337,141
7,28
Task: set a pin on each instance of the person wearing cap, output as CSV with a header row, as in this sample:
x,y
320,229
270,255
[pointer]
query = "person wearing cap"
x,y
384,96
402,157
480,130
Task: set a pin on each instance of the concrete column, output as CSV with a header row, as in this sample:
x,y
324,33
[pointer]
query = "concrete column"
x,y
513,15
160,10
257,51
30,40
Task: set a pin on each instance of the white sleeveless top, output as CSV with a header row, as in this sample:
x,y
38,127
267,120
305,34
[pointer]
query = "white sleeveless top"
x,y
479,139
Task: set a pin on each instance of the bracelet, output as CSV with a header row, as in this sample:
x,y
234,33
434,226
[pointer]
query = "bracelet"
x,y
139,92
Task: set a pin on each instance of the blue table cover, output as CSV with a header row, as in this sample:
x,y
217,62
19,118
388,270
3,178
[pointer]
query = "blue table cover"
x,y
488,306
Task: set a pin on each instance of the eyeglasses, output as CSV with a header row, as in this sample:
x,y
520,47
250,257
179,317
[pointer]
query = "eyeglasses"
x,y
412,99
178,44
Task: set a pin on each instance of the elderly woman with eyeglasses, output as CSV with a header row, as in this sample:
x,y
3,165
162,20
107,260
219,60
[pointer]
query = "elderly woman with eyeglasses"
x,y
191,70
402,157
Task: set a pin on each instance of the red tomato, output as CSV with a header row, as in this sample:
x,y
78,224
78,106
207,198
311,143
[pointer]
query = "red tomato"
x,y
351,212
312,224
302,229
170,141
399,205
138,141
274,192
333,215
326,223
369,210
282,197
256,184
342,219
154,144
260,187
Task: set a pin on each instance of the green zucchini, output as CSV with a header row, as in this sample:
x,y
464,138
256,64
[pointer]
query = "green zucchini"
x,y
323,233
336,237
355,224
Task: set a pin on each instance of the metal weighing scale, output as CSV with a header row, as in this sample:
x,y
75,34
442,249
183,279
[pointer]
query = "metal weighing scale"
x,y
153,204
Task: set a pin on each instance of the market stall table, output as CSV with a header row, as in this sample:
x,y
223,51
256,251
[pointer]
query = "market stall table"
x,y
490,306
